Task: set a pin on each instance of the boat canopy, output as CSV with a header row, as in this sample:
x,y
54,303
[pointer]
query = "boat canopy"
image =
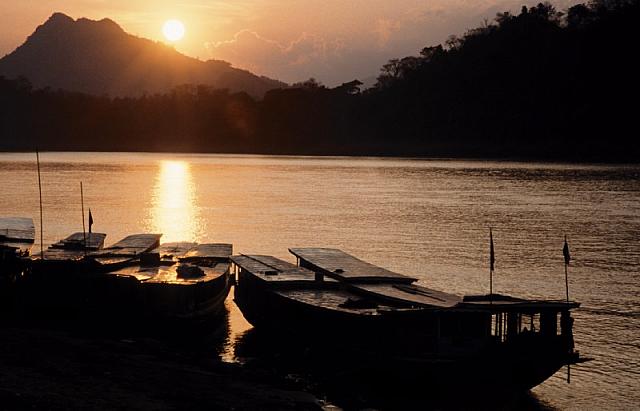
x,y
337,264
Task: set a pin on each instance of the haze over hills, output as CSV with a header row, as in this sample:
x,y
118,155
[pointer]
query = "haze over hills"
x,y
99,57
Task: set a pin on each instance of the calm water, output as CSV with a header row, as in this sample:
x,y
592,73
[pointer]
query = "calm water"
x,y
425,218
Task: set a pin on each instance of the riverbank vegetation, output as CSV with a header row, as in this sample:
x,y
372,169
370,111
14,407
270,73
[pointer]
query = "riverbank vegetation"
x,y
540,84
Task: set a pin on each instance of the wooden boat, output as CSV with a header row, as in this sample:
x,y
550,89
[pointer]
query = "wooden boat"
x,y
16,236
135,283
75,247
16,240
177,282
65,279
411,331
126,251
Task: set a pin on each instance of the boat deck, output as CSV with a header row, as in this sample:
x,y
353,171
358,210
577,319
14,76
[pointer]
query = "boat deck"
x,y
410,294
334,299
17,234
167,274
129,248
212,259
76,241
273,270
17,229
132,245
345,267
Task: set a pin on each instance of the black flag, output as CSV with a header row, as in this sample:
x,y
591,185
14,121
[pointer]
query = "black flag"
x,y
565,251
90,221
492,256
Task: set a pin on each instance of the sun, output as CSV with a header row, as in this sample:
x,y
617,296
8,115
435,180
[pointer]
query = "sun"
x,y
173,30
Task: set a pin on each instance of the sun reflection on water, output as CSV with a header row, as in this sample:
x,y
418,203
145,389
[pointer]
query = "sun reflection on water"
x,y
174,212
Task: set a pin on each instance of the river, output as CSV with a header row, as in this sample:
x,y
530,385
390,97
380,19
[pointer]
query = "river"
x,y
425,218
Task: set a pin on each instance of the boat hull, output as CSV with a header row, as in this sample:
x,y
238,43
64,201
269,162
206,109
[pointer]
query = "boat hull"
x,y
76,292
398,346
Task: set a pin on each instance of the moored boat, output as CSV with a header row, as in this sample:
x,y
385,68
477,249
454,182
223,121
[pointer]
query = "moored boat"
x,y
178,282
413,332
16,240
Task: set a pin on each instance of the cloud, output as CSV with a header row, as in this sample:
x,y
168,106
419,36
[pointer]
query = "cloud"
x,y
290,62
384,29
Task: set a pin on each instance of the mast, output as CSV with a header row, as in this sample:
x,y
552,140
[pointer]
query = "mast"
x,y
40,192
492,260
84,231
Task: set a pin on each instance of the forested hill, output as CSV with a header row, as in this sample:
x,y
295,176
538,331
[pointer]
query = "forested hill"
x,y
540,84
99,57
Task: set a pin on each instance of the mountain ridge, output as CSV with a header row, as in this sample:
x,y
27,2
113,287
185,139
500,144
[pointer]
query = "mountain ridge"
x,y
98,57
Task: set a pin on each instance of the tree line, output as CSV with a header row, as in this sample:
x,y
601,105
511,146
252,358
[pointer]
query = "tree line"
x,y
538,84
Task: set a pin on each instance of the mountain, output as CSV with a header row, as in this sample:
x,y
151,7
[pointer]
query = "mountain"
x,y
99,57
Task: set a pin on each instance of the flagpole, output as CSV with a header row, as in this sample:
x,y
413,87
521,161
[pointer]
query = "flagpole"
x,y
40,192
84,231
566,280
492,259
567,259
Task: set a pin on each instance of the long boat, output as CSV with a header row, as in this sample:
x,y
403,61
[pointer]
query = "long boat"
x,y
16,240
175,283
419,333
135,282
64,277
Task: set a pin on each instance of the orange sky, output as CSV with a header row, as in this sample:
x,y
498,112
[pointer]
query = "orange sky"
x,y
292,40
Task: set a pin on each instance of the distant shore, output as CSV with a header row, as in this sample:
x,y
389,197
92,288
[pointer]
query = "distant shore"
x,y
533,159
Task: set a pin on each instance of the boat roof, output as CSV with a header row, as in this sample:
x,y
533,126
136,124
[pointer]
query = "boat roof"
x,y
167,274
132,245
94,241
411,294
187,251
273,270
337,264
219,251
17,230
498,302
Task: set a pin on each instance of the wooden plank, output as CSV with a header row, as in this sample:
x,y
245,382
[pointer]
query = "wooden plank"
x,y
410,294
17,229
95,241
176,249
345,267
61,254
132,245
332,299
272,269
167,274
214,251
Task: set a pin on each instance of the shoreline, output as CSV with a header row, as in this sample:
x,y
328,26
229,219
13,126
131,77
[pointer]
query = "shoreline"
x,y
55,369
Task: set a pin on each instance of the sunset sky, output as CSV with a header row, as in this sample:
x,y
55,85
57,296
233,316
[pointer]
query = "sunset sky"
x,y
291,40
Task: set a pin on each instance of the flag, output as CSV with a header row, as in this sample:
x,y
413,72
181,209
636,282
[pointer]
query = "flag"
x,y
90,221
492,256
565,251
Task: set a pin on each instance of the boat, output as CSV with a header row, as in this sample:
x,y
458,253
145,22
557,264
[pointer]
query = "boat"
x,y
16,236
16,240
63,278
124,252
73,248
413,333
174,284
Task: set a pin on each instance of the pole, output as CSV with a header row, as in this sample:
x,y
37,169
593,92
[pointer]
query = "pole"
x,y
566,280
40,193
84,231
492,259
567,260
490,286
